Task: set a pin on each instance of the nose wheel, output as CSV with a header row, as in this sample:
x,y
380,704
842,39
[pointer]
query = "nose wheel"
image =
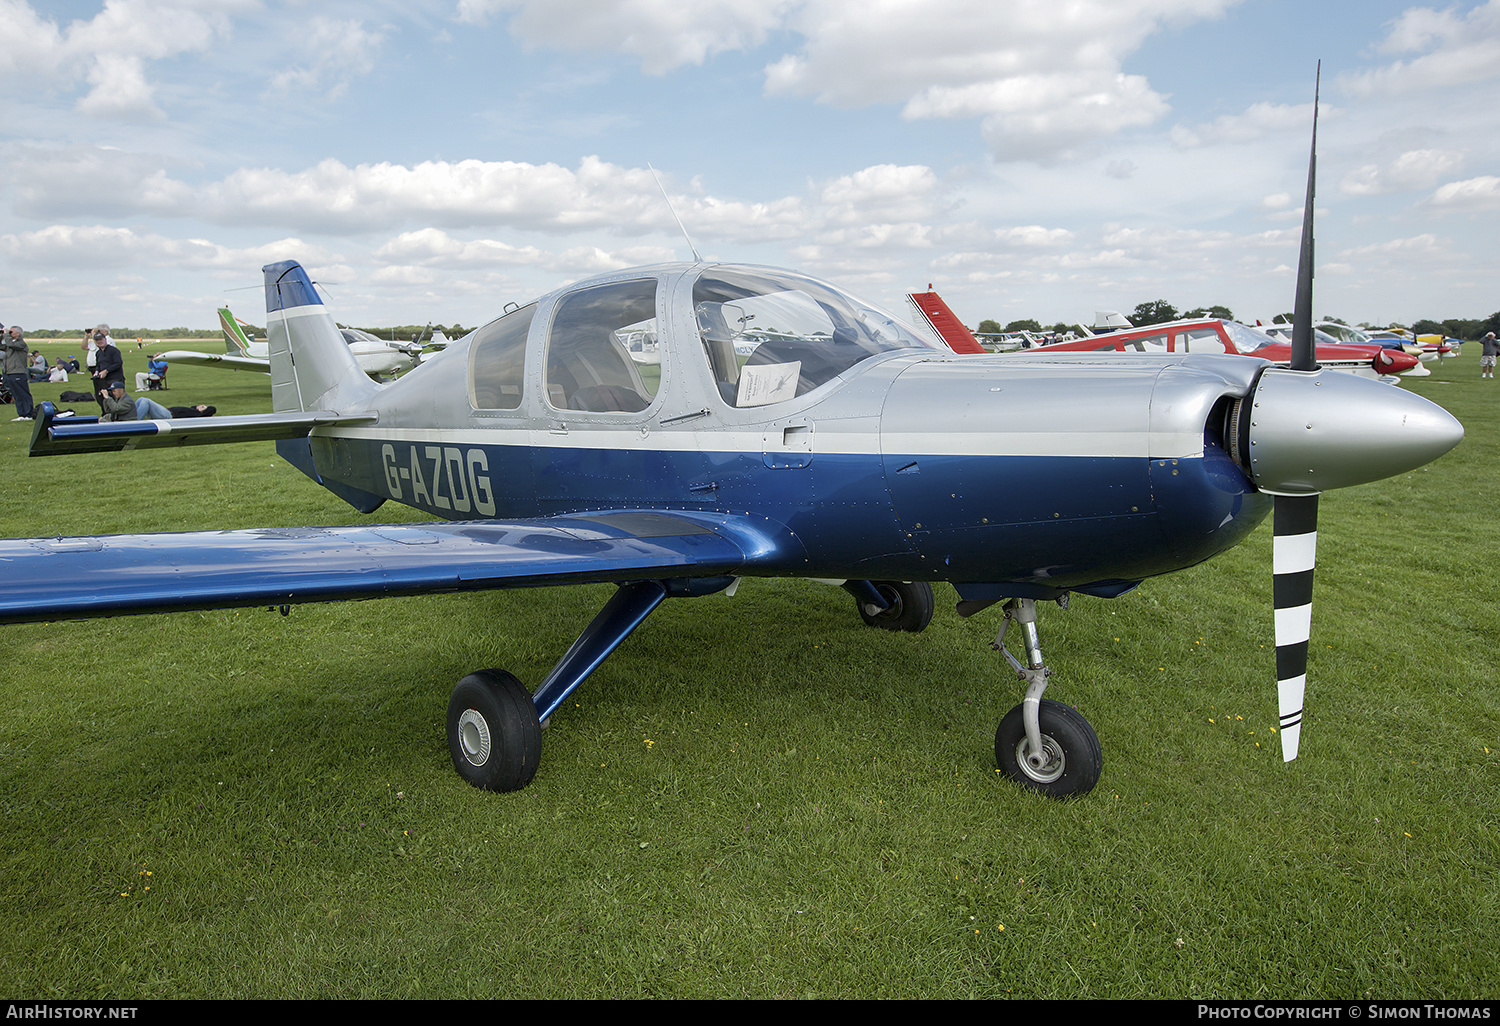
x,y
1042,744
1065,763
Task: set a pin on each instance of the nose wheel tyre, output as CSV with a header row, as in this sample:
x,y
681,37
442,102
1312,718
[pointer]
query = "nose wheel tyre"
x,y
1070,760
910,609
494,735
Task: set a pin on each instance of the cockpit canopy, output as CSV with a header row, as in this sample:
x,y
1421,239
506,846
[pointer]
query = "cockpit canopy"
x,y
772,335
767,336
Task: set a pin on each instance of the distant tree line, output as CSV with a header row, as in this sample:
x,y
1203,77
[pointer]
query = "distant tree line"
x,y
120,334
402,332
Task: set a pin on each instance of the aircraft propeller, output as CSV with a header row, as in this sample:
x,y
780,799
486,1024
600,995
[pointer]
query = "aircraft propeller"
x,y
1303,430
1295,519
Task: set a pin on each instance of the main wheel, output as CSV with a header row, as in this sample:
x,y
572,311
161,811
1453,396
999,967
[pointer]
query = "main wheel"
x,y
1070,760
493,732
910,609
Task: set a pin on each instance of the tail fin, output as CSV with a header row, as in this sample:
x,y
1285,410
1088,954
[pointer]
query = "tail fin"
x,y
235,342
311,366
944,321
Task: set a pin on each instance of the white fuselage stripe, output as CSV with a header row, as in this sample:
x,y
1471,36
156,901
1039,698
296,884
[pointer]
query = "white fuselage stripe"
x,y
828,441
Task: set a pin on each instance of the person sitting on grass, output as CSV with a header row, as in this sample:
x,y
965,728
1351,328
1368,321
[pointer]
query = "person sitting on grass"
x,y
119,406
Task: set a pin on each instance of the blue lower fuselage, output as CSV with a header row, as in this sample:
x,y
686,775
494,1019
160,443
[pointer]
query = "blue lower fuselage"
x,y
1025,525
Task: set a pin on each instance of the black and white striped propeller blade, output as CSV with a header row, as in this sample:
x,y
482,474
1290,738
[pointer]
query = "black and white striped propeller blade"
x,y
1295,522
1293,557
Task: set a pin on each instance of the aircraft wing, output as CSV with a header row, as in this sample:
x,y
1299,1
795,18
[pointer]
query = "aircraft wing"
x,y
116,575
54,436
223,360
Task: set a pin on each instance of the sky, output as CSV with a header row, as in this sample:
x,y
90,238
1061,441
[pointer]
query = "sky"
x,y
433,160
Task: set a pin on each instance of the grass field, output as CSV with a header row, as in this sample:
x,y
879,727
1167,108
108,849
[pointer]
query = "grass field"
x,y
755,796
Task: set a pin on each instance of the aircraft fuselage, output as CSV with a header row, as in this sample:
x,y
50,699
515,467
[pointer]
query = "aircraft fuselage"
x,y
1027,474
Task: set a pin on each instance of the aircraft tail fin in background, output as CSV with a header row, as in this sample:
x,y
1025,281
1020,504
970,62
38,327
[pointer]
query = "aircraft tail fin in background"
x,y
311,366
235,342
945,322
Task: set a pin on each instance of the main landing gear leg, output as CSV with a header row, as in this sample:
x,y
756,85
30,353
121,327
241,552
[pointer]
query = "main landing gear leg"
x,y
1043,744
495,727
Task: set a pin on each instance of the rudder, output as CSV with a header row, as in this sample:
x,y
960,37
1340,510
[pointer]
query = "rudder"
x,y
311,366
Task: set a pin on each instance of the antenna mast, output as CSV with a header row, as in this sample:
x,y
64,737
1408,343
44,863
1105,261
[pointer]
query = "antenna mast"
x,y
696,258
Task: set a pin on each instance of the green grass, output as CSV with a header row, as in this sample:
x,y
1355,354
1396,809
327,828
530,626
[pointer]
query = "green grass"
x,y
755,796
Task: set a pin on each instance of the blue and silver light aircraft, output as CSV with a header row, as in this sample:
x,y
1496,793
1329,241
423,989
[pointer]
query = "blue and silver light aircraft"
x,y
844,446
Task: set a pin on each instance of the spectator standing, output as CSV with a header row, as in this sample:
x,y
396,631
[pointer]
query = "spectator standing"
x,y
15,371
108,364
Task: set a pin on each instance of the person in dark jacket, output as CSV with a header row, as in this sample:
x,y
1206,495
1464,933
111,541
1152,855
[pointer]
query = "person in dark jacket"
x,y
108,364
15,370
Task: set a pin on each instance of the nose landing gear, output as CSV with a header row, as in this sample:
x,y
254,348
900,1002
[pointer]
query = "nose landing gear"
x,y
1041,743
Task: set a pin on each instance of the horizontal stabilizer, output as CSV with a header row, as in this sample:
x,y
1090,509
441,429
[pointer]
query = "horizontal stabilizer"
x,y
57,436
120,575
225,360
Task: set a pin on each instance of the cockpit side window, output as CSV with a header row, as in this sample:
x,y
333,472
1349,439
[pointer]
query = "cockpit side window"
x,y
601,349
771,336
1146,344
1199,340
497,363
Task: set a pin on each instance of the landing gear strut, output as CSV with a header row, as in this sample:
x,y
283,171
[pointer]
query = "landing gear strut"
x,y
495,724
1043,744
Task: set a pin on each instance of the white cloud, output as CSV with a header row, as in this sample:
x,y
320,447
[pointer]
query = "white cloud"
x,y
1032,236
1394,252
432,247
89,181
883,192
120,90
1473,194
103,246
1259,121
1043,76
113,48
426,254
334,197
336,52
1459,49
1414,169
664,34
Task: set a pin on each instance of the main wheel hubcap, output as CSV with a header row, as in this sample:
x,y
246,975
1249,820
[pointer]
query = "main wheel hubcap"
x,y
474,737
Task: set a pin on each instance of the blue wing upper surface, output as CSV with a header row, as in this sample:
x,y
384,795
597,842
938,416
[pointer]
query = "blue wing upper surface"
x,y
113,575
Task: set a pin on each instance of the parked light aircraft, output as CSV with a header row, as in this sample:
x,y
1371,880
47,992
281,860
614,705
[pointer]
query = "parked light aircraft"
x,y
1331,332
844,447
1216,335
376,357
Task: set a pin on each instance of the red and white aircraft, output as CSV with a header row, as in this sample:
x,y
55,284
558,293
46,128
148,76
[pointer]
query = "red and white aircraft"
x,y
1215,335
